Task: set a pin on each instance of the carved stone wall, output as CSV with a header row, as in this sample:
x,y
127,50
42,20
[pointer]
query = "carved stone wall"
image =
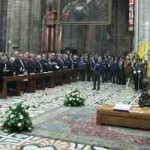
x,y
21,23
121,38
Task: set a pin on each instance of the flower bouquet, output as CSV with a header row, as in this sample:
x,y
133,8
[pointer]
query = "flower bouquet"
x,y
74,98
17,119
133,56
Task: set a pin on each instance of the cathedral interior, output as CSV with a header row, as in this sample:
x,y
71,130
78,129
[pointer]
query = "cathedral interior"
x,y
70,78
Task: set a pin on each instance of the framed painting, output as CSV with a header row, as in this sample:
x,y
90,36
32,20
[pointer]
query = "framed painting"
x,y
84,12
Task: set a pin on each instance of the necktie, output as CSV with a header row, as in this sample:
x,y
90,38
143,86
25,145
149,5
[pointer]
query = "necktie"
x,y
40,65
5,66
21,63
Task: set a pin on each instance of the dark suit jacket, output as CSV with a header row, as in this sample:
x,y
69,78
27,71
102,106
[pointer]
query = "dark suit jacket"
x,y
38,67
30,66
19,68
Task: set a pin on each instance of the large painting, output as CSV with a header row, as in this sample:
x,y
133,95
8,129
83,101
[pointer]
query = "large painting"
x,y
84,11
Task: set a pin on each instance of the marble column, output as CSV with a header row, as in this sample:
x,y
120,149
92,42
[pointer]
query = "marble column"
x,y
144,16
136,25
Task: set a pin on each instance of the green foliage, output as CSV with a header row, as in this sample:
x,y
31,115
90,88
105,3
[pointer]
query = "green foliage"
x,y
17,119
74,98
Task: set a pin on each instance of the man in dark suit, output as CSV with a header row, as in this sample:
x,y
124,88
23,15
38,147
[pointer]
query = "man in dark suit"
x,y
96,74
8,69
39,69
121,72
53,59
114,70
82,65
44,63
105,69
19,63
60,62
29,61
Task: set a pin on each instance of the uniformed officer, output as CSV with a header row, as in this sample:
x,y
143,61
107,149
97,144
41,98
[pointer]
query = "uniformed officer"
x,y
137,74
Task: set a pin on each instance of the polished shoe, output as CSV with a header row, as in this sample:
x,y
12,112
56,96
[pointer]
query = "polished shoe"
x,y
94,89
98,89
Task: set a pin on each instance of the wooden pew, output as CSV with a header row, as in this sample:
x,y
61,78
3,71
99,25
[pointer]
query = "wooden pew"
x,y
66,76
31,85
49,79
74,75
58,76
8,79
39,81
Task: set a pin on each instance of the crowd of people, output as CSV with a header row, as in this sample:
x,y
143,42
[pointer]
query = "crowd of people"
x,y
96,68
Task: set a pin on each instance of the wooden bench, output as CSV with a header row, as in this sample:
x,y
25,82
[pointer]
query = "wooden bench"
x,y
49,79
39,81
30,80
66,76
74,76
58,76
8,79
136,118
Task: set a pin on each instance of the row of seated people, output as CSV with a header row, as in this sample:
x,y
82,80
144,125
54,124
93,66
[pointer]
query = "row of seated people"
x,y
26,63
21,63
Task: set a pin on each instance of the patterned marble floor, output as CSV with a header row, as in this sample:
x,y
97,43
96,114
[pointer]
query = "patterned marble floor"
x,y
24,142
47,100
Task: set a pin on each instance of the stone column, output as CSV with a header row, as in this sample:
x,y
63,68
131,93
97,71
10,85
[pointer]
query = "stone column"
x,y
16,6
144,13
4,25
25,25
89,38
8,46
136,25
35,26
0,25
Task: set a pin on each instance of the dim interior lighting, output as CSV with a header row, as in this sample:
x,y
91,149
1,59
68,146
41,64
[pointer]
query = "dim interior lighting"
x,y
9,41
147,23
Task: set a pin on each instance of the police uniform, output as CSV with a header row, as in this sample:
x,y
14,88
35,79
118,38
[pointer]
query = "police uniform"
x,y
137,76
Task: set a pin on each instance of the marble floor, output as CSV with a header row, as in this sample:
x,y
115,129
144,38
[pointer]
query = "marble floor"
x,y
25,142
50,99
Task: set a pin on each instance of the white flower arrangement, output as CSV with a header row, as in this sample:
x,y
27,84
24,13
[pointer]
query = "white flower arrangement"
x,y
17,118
74,98
132,56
